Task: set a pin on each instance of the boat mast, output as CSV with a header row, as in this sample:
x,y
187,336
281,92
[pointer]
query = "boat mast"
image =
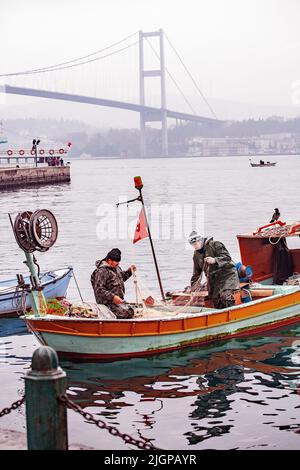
x,y
139,185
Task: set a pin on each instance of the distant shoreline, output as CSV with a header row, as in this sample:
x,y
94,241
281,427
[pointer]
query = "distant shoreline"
x,y
187,156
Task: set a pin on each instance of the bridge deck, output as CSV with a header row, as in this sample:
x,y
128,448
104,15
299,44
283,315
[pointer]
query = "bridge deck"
x,y
150,112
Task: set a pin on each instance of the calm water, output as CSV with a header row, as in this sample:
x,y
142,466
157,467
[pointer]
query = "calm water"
x,y
239,394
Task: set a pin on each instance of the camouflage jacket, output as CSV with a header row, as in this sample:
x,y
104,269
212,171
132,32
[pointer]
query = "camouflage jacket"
x,y
108,282
220,276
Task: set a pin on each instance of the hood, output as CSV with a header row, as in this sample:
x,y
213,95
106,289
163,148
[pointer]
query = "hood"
x,y
102,263
207,240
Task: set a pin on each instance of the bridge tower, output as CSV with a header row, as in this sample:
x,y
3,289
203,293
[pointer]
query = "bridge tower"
x,y
160,116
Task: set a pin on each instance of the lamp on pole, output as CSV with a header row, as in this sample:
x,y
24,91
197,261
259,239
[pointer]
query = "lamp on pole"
x,y
35,144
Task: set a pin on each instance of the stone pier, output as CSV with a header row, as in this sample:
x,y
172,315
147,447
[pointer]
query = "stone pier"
x,y
16,177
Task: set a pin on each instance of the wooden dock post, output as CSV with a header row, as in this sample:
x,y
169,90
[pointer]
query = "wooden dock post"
x,y
46,416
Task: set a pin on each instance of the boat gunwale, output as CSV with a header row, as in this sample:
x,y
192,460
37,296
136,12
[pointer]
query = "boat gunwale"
x,y
262,235
45,284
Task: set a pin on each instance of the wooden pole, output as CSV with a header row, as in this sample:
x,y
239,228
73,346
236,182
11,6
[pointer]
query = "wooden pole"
x,y
151,243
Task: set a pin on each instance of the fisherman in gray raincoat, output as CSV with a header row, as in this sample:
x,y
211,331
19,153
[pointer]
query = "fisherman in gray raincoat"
x,y
108,284
222,277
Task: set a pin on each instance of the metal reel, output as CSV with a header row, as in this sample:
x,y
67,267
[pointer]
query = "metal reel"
x,y
22,232
43,229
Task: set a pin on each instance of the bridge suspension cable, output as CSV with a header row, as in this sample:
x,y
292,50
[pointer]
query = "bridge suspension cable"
x,y
173,80
64,65
191,77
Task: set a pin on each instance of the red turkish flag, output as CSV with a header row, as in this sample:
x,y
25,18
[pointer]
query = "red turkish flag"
x,y
141,230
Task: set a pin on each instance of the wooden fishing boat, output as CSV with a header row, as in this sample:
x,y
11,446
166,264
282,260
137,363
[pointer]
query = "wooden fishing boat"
x,y
54,285
165,329
93,332
264,164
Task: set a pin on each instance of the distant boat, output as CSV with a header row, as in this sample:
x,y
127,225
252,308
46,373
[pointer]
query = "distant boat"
x,y
54,283
262,163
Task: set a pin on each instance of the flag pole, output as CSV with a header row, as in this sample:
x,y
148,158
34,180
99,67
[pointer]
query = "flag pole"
x,y
139,185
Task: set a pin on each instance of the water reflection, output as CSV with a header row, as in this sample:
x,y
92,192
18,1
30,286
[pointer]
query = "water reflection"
x,y
201,385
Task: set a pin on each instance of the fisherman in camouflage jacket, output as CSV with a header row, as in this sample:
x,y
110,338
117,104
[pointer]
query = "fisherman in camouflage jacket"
x,y
222,277
108,284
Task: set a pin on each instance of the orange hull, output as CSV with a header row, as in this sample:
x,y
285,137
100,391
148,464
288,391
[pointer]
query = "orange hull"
x,y
137,337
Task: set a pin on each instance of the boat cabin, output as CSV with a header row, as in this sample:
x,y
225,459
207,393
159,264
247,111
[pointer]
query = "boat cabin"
x,y
267,251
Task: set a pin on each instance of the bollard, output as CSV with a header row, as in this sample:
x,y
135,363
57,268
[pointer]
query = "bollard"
x,y
46,416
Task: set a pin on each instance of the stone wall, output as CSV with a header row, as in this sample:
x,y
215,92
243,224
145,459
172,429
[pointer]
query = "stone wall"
x,y
14,177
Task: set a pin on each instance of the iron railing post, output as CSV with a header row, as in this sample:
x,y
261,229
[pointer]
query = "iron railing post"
x,y
46,416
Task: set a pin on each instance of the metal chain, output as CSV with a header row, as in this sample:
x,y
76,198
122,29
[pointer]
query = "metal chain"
x,y
102,425
14,406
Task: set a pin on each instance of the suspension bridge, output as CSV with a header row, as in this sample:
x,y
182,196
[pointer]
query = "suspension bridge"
x,y
147,113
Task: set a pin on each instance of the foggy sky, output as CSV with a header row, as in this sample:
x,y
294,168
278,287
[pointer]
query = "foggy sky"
x,y
243,51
